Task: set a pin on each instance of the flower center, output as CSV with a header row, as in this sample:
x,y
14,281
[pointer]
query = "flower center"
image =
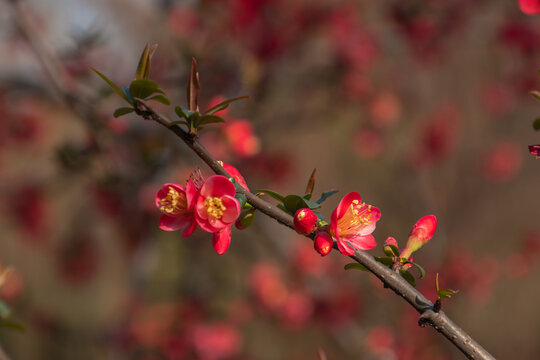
x,y
357,216
174,203
214,207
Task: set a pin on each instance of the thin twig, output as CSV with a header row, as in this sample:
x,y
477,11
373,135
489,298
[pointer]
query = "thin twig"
x,y
392,280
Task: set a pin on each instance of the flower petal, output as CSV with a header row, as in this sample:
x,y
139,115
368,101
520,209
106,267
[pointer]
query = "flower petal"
x,y
221,240
344,204
344,248
217,186
171,223
190,228
232,209
365,242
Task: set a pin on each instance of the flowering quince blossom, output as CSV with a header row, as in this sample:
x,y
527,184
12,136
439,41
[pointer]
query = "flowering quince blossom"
x,y
420,234
353,222
215,206
176,205
323,243
305,221
530,7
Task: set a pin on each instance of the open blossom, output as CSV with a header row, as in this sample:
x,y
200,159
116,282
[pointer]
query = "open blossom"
x,y
353,222
215,206
176,204
420,234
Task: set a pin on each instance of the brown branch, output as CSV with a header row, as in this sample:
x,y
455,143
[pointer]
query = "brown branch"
x,y
438,320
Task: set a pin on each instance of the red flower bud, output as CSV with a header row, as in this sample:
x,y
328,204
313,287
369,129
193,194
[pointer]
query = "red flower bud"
x,y
305,221
420,234
323,243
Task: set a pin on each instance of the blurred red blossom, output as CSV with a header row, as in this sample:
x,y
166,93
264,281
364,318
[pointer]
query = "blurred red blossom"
x,y
385,110
438,137
535,150
529,7
216,341
368,143
379,339
502,162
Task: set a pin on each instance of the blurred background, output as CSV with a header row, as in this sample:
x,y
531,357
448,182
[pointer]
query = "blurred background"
x,y
420,106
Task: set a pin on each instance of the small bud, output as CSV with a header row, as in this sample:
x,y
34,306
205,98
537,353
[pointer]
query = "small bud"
x,y
245,219
305,221
323,243
387,249
420,234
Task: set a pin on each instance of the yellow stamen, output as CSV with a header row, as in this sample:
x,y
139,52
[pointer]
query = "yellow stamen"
x,y
355,218
214,207
175,203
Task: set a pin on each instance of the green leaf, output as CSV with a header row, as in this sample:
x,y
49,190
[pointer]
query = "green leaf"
x,y
272,194
535,94
446,293
241,199
536,124
293,203
223,105
420,269
326,195
12,325
141,67
209,119
160,98
394,251
387,261
111,84
280,206
143,88
181,112
407,276
307,196
122,111
312,205
356,266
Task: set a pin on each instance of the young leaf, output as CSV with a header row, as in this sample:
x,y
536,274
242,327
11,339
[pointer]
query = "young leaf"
x,y
311,183
143,88
536,124
272,194
111,84
180,111
160,98
141,66
356,266
446,293
122,111
387,261
223,105
394,251
326,195
242,199
209,119
148,61
420,269
407,276
193,87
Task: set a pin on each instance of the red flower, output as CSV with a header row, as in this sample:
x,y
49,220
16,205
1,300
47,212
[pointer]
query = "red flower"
x,y
241,138
323,243
305,221
221,240
176,203
420,234
530,7
235,174
353,222
215,206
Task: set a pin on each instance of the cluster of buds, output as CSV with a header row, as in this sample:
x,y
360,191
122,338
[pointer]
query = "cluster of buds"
x,y
420,234
351,225
209,204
